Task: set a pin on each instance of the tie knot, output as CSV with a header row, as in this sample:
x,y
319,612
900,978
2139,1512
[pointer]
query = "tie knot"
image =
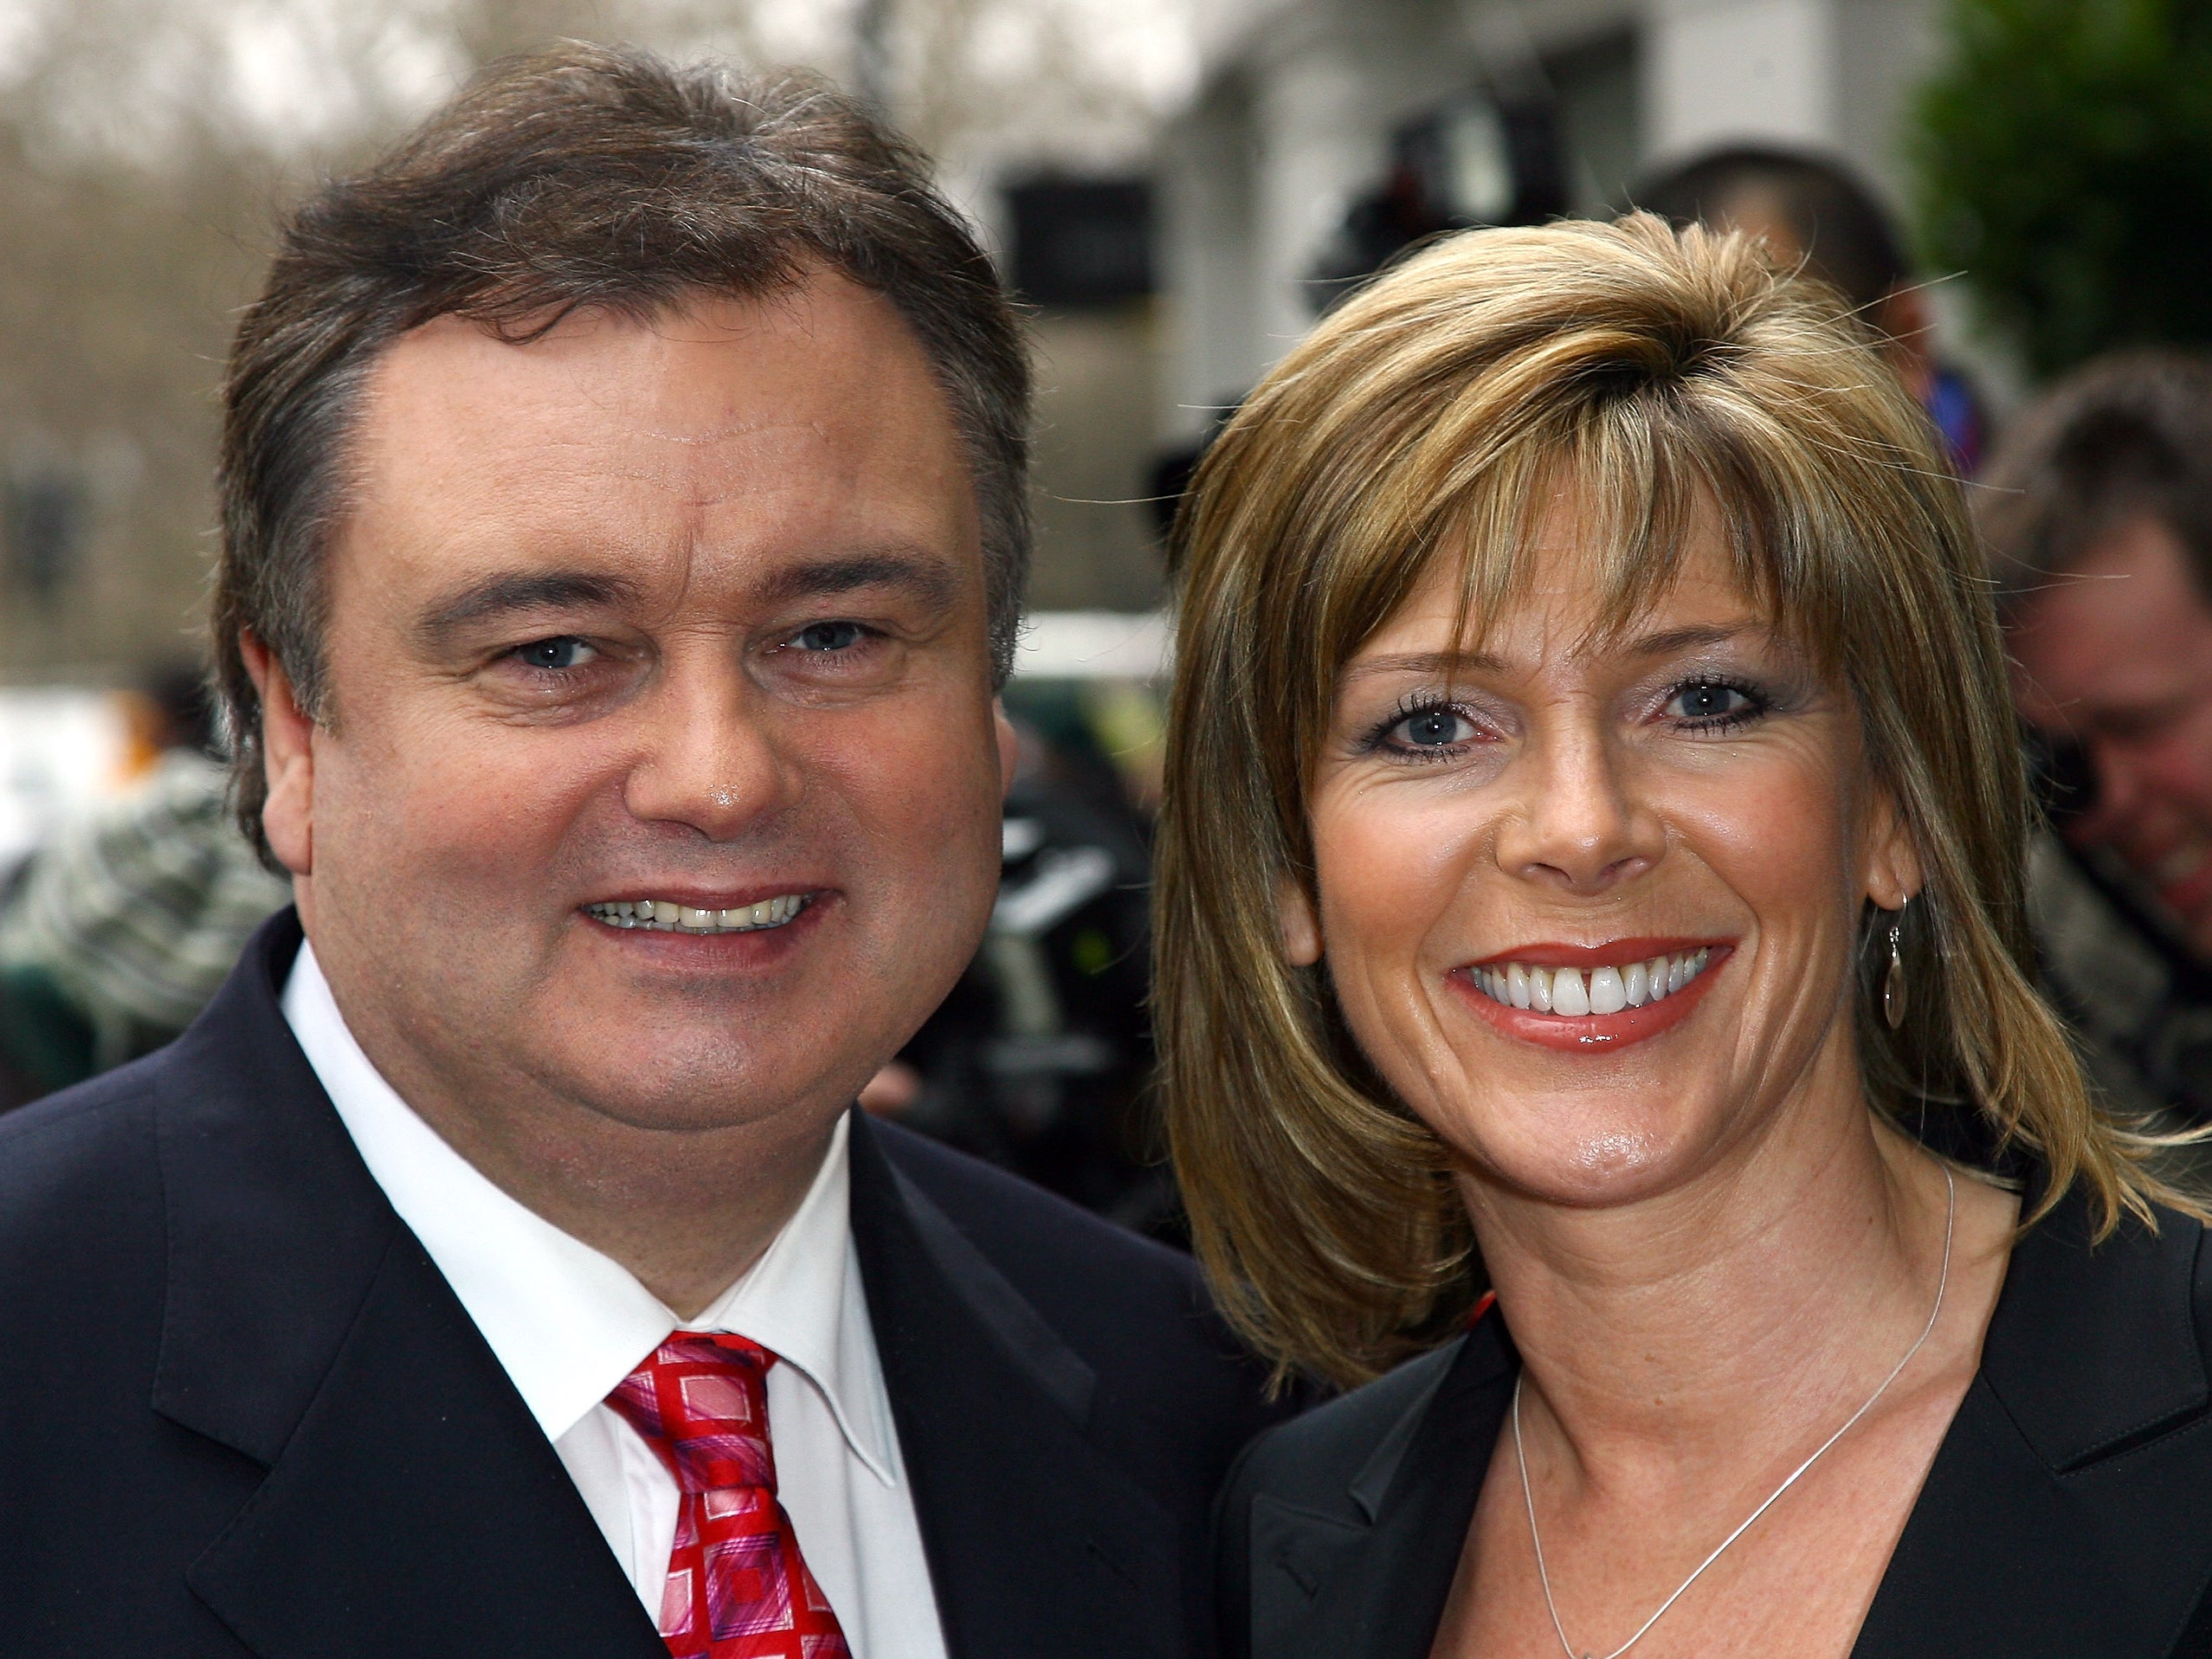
x,y
701,1402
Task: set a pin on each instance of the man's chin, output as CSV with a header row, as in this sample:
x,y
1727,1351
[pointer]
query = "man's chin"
x,y
707,1095
690,1059
2200,935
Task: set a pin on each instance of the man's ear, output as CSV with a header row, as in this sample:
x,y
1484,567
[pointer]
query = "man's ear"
x,y
1301,930
287,759
1908,322
1893,876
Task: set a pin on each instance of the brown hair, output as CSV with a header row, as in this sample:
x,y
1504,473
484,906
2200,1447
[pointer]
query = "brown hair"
x,y
583,177
1655,370
2120,437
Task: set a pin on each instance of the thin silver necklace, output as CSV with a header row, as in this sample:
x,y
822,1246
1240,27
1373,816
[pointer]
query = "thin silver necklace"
x,y
1943,1280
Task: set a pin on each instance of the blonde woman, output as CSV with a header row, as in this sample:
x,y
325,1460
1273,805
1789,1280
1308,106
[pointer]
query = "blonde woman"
x,y
1593,983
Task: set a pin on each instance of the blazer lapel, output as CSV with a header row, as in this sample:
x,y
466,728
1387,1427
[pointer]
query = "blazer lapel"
x,y
2069,1509
1368,1573
1036,1542
411,1505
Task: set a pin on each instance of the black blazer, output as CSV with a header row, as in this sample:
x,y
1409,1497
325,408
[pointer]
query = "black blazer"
x,y
2068,1514
240,1412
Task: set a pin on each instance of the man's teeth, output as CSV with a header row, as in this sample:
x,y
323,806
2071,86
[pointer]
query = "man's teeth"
x,y
1603,991
660,915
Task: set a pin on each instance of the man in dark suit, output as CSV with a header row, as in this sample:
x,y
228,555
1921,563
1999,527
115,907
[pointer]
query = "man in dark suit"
x,y
623,536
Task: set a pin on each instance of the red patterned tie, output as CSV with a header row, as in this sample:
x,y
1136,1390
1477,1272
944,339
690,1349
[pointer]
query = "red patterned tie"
x,y
737,1587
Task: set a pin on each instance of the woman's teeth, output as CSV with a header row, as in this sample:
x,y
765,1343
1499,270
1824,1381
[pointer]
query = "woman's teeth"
x,y
662,916
1605,991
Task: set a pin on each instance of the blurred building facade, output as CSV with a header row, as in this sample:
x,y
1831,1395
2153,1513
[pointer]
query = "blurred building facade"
x,y
116,287
148,146
1302,108
1166,178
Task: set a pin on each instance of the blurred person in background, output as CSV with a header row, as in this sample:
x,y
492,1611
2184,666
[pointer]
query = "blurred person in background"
x,y
2097,515
1811,212
1040,1059
114,934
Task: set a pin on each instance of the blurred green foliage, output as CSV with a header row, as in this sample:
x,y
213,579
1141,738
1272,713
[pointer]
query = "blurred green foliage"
x,y
2064,156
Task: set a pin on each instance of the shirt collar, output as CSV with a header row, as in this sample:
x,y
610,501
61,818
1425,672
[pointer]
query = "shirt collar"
x,y
566,1322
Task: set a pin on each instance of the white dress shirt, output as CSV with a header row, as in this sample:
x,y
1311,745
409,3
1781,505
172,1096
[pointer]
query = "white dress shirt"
x,y
568,1324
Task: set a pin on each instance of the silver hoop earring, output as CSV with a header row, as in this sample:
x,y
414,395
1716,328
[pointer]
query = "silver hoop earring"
x,y
1894,981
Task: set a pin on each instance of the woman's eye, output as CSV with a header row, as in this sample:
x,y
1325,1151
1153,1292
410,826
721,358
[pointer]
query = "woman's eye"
x,y
555,654
1433,728
1709,702
828,636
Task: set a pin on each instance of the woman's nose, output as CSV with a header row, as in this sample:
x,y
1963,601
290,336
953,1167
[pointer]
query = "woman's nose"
x,y
1580,826
711,761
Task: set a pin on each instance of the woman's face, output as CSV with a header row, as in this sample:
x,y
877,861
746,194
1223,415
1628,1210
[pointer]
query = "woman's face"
x,y
1666,836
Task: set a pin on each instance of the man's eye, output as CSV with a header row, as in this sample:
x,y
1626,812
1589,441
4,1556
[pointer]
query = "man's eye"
x,y
555,654
829,636
1434,729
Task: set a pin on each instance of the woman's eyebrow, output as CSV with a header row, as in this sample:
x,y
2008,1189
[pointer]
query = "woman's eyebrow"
x,y
1673,641
1425,662
1436,664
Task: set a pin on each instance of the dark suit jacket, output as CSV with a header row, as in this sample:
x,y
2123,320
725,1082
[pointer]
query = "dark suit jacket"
x,y
240,1412
2068,1515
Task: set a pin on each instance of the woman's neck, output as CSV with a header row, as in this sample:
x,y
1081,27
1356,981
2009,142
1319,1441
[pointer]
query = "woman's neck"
x,y
1712,1325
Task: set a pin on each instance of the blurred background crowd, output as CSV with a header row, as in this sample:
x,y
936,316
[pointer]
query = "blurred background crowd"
x,y
2015,193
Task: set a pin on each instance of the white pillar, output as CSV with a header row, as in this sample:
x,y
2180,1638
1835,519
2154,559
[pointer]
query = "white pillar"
x,y
1261,172
1208,259
1728,70
1832,75
1321,123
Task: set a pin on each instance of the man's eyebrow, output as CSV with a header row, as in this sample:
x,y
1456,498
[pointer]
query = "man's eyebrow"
x,y
922,574
516,591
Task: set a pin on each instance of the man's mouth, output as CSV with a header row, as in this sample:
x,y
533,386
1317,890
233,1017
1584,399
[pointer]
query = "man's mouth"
x,y
2183,877
667,916
1573,992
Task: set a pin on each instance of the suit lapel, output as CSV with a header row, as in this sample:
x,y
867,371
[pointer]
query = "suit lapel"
x,y
418,1509
2069,1509
412,1506
1369,1572
1036,1542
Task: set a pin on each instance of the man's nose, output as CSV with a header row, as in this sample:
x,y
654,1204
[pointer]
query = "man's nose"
x,y
1581,827
710,760
2120,792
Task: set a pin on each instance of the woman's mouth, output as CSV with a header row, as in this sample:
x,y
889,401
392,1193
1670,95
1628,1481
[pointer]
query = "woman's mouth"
x,y
1609,996
1568,992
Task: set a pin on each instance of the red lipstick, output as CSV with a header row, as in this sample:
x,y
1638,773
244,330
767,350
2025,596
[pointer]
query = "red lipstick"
x,y
1592,1033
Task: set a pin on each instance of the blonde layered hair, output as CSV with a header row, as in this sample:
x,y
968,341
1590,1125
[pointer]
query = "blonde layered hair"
x,y
1659,376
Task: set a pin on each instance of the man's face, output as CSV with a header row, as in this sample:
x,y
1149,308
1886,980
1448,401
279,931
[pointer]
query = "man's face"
x,y
686,614
2116,656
